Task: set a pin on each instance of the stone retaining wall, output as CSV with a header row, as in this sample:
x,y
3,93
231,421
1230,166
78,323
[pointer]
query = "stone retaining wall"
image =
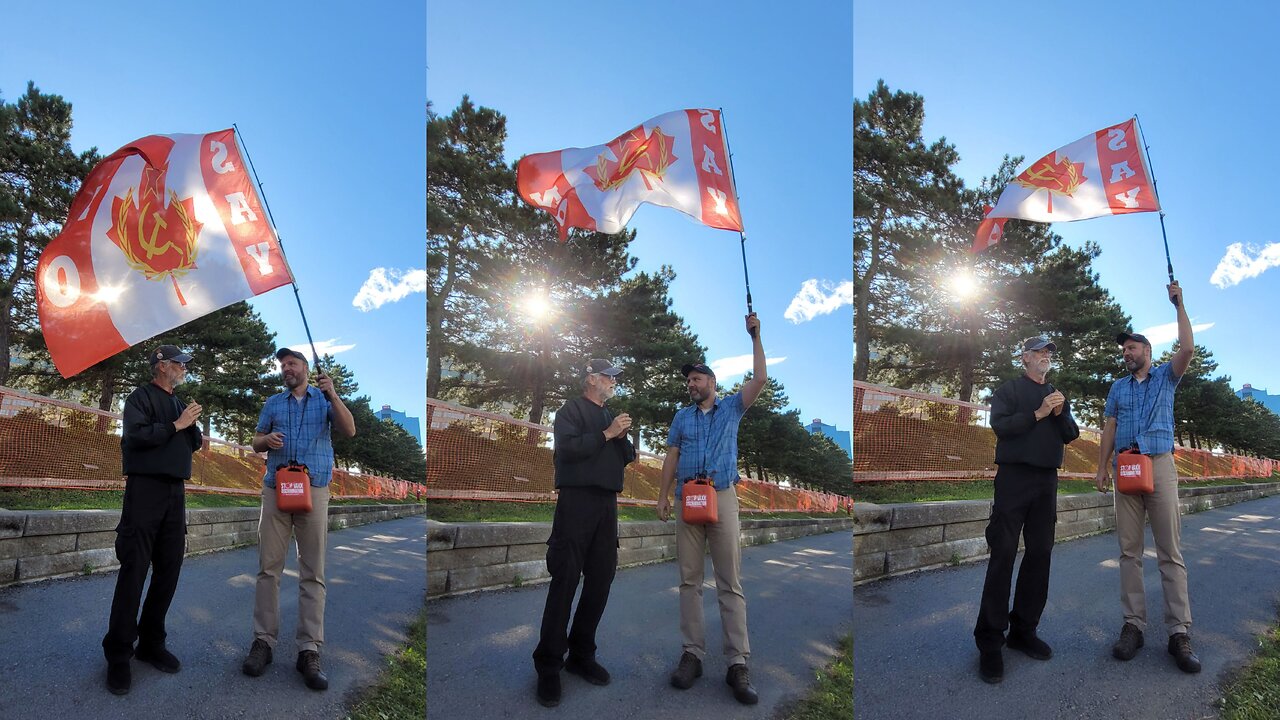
x,y
895,539
55,543
463,557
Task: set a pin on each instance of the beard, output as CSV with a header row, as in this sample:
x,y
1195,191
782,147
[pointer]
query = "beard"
x,y
1135,364
607,392
293,380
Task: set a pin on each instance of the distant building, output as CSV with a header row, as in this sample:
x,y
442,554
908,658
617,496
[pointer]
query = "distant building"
x,y
840,437
1270,402
411,425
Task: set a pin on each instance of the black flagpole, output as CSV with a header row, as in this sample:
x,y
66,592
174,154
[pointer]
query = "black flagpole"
x,y
741,233
292,281
1155,187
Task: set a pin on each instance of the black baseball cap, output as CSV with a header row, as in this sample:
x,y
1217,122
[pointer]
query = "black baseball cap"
x,y
169,352
602,367
1038,343
283,353
696,367
1125,337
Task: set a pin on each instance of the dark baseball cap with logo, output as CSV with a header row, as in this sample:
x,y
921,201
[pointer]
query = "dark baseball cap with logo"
x,y
601,367
169,352
1125,337
283,353
1032,344
698,368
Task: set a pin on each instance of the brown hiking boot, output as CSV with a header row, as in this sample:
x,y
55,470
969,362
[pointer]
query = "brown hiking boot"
x,y
1130,640
739,678
690,669
1180,649
309,666
258,660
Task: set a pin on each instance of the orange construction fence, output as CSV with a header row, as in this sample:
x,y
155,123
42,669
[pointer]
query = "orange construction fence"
x,y
477,455
903,435
52,443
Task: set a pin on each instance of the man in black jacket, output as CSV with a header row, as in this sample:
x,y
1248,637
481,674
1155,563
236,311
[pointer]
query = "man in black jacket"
x,y
1033,423
591,450
158,436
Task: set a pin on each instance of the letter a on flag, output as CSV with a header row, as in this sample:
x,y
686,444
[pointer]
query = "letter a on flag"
x,y
678,160
164,230
1100,174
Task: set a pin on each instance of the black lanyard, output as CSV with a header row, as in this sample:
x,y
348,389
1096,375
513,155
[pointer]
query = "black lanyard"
x,y
302,415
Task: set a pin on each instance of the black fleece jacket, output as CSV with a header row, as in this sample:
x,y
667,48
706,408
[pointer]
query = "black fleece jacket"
x,y
583,458
1020,438
149,444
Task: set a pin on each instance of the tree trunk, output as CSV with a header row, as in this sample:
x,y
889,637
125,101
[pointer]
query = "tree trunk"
x,y
861,322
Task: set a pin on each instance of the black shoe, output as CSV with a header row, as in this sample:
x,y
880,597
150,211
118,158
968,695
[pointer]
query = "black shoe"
x,y
590,670
991,665
309,666
1130,640
1033,646
690,669
739,679
258,660
549,689
119,677
159,657
1180,649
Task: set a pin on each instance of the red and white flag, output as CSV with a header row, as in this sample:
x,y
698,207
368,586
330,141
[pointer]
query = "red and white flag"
x,y
990,231
164,230
678,160
1100,174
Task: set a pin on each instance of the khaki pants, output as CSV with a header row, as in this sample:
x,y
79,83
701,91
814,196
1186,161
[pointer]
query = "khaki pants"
x,y
1161,507
726,561
311,531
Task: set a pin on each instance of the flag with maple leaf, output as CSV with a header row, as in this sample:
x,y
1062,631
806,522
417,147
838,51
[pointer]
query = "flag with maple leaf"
x,y
678,160
1102,173
990,232
164,230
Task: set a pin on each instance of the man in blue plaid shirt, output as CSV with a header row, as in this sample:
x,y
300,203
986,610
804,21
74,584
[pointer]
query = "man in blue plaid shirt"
x,y
703,443
1139,414
296,426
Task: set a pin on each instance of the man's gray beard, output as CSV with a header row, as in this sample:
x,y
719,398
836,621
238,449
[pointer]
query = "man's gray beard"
x,y
607,393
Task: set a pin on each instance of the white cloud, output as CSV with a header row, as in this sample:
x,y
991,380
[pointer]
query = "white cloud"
x,y
385,285
1167,333
1236,265
323,347
737,365
818,297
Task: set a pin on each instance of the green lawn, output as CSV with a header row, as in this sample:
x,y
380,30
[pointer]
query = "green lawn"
x,y
54,499
454,511
831,696
1255,693
401,690
923,491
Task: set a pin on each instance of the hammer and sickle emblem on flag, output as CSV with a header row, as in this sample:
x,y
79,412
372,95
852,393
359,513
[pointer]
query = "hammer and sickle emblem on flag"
x,y
158,240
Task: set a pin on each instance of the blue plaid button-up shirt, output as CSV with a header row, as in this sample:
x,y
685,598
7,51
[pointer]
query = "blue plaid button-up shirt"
x,y
708,442
1144,410
307,432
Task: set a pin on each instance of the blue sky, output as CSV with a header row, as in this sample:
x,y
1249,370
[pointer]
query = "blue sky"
x,y
575,74
330,100
1027,78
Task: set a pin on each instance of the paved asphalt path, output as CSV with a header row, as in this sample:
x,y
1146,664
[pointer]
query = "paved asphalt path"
x,y
51,664
799,598
914,655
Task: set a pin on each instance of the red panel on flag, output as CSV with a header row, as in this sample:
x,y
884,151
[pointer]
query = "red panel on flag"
x,y
711,159
1124,174
242,214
